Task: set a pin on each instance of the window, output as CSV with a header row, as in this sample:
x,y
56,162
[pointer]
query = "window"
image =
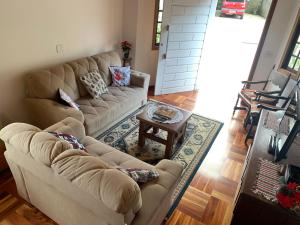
x,y
159,9
291,61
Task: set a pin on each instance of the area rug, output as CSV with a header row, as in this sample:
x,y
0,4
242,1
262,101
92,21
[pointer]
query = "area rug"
x,y
199,137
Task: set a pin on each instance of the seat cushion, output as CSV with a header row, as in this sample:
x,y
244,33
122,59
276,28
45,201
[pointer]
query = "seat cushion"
x,y
112,156
248,94
108,108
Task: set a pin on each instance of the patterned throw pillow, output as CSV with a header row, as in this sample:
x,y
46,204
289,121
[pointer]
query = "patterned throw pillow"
x,y
140,175
65,98
69,138
120,75
94,84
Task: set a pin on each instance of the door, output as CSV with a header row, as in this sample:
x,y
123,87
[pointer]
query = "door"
x,y
183,33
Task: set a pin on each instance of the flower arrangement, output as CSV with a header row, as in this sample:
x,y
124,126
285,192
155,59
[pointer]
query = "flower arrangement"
x,y
126,46
288,197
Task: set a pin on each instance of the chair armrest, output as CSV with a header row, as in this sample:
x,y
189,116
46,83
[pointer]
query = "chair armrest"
x,y
248,83
45,112
255,82
140,79
270,108
267,92
69,126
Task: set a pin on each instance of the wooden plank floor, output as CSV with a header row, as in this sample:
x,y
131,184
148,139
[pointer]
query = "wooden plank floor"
x,y
207,201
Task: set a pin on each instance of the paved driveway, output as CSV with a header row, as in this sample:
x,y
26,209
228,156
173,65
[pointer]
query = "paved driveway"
x,y
228,53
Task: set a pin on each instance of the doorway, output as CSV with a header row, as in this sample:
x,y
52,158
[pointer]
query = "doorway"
x,y
230,48
203,48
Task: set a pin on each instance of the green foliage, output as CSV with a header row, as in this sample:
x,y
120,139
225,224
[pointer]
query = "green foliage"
x,y
219,5
253,7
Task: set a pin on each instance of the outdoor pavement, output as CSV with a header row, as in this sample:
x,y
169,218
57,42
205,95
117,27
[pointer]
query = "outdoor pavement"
x,y
228,53
227,57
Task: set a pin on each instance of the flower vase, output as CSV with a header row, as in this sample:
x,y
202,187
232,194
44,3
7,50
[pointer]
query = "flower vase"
x,y
126,53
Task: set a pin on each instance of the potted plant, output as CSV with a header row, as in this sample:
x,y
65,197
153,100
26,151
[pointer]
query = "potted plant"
x,y
288,197
126,47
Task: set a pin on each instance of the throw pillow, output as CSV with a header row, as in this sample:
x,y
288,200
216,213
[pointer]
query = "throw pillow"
x,y
66,99
140,175
94,84
70,139
120,75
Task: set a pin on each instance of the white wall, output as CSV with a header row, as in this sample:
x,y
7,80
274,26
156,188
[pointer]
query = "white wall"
x,y
138,17
280,28
146,58
130,15
30,31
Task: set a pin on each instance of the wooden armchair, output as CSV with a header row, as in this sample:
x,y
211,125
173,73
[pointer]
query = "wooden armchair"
x,y
283,102
273,86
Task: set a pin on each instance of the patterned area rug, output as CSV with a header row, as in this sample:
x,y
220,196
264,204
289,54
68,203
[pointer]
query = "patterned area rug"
x,y
199,136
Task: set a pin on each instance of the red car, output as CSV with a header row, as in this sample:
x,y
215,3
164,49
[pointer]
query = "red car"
x,y
234,7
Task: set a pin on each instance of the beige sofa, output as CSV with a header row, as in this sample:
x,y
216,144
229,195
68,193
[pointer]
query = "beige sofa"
x,y
74,187
96,114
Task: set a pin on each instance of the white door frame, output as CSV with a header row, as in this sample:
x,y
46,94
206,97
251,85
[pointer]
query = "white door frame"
x,y
183,32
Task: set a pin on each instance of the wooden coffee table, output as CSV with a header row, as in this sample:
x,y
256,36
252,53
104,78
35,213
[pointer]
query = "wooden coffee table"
x,y
175,131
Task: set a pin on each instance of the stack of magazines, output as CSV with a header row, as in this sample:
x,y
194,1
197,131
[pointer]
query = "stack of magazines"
x,y
163,114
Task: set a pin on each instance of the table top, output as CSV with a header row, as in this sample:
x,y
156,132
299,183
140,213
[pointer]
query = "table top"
x,y
259,150
175,127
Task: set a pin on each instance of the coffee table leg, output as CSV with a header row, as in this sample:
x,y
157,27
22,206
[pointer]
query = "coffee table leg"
x,y
155,130
141,134
181,139
169,145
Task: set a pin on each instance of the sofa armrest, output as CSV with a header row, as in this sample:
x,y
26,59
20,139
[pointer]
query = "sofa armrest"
x,y
140,79
171,167
157,194
45,112
69,126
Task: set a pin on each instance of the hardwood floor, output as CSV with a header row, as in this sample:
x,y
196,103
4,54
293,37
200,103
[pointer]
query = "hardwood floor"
x,y
209,198
207,201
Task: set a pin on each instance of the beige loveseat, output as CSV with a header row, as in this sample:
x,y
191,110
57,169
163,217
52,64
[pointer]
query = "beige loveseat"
x,y
96,114
74,187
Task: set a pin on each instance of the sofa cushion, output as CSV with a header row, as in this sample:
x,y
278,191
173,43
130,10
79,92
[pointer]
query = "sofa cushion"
x,y
94,84
82,67
120,75
104,61
112,156
44,147
45,83
105,110
115,189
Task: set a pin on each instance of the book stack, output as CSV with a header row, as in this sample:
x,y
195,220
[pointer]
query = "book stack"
x,y
163,114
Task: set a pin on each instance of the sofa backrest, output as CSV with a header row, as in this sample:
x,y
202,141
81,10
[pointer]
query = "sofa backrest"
x,y
82,67
104,60
45,83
